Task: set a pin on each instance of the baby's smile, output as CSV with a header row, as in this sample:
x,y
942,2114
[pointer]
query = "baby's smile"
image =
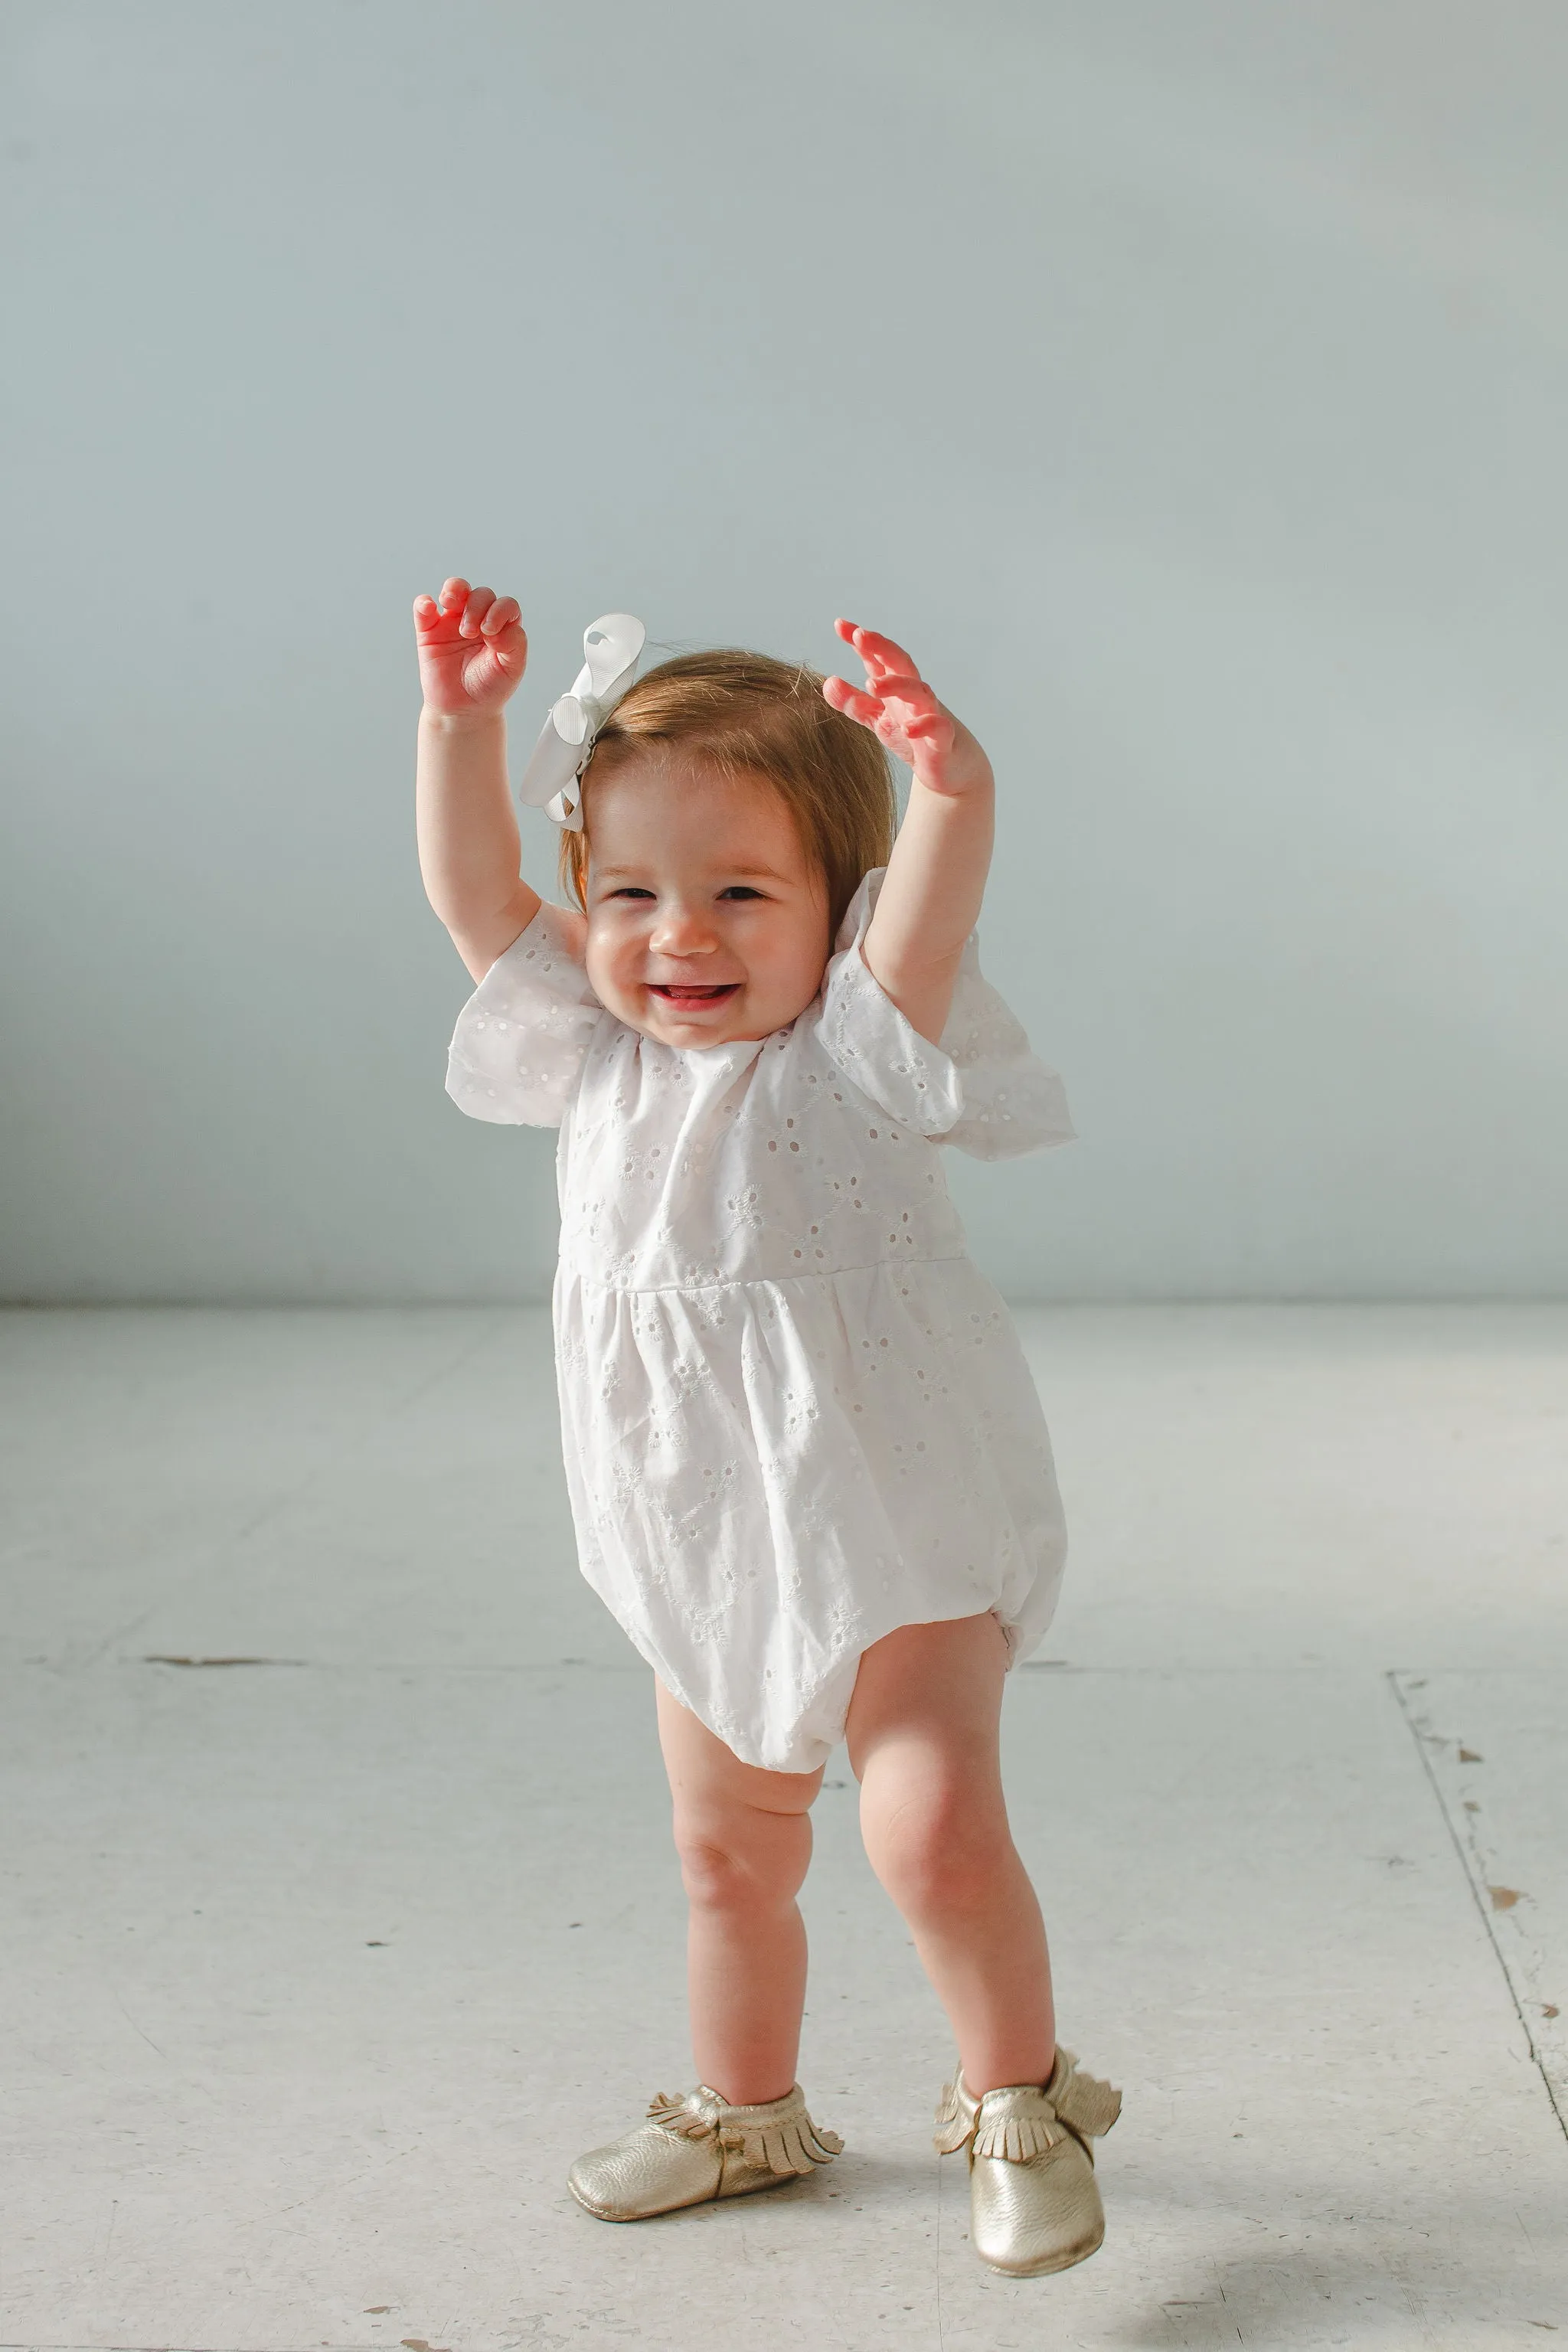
x,y
687,996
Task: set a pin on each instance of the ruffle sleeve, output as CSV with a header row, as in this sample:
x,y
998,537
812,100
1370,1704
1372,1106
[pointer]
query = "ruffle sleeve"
x,y
521,1039
981,1088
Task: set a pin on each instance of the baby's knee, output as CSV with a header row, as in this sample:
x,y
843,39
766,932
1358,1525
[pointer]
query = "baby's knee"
x,y
938,1854
739,1864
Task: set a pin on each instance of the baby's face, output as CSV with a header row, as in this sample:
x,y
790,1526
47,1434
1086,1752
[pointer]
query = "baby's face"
x,y
706,922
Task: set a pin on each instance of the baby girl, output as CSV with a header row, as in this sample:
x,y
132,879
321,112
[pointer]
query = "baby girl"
x,y
807,1467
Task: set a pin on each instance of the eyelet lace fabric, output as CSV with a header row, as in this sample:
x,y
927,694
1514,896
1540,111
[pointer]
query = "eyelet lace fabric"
x,y
794,1414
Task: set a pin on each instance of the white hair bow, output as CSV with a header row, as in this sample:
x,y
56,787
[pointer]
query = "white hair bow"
x,y
611,645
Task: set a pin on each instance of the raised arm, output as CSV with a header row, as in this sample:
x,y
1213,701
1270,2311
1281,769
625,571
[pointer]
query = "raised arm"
x,y
472,653
929,901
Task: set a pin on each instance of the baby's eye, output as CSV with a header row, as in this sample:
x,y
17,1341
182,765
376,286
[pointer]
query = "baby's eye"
x,y
631,890
739,890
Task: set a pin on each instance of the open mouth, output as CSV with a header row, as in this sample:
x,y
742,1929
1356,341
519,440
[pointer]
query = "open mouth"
x,y
687,999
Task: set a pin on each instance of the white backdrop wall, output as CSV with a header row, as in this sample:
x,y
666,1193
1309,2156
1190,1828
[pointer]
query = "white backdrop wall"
x,y
1186,385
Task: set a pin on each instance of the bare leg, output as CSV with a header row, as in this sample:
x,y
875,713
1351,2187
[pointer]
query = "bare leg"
x,y
745,1840
923,1742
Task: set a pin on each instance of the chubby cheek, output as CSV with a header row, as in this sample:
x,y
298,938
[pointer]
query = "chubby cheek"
x,y
792,975
809,949
611,965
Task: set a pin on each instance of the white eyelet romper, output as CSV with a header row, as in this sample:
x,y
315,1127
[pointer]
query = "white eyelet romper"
x,y
794,1414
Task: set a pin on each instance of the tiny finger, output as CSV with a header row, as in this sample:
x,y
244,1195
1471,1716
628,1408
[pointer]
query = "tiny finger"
x,y
452,595
903,686
882,654
502,616
852,700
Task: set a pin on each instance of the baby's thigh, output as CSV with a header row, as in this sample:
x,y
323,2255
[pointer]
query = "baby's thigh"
x,y
924,1719
708,1782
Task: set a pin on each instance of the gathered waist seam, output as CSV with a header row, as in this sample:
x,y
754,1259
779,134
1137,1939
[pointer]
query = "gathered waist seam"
x,y
760,1281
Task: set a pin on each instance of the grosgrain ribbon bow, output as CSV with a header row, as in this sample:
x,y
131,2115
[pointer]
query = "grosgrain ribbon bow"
x,y
611,645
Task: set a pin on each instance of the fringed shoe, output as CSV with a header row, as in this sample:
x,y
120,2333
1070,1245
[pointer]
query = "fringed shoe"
x,y
698,2148
1034,2202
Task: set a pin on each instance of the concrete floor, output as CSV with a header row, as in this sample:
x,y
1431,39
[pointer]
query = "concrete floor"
x,y
338,1913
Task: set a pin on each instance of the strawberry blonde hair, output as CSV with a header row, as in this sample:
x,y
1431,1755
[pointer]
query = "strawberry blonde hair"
x,y
738,713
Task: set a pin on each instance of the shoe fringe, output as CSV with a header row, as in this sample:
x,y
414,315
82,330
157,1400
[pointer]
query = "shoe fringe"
x,y
1082,2103
791,2142
684,2119
954,2122
1017,2139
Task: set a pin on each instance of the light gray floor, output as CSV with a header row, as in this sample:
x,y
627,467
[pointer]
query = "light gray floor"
x,y
320,1963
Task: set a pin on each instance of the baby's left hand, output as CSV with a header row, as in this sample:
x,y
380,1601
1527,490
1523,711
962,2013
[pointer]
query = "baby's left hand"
x,y
903,713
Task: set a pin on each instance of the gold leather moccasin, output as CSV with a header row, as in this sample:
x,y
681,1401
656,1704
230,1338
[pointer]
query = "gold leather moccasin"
x,y
1034,2202
697,2148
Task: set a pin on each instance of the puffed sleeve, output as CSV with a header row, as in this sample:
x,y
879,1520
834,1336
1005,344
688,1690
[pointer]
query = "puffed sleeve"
x,y
523,1035
981,1088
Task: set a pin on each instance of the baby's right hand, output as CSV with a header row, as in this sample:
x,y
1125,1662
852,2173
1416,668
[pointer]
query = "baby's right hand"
x,y
472,649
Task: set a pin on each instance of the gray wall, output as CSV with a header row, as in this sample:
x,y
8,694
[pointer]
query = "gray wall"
x,y
1185,384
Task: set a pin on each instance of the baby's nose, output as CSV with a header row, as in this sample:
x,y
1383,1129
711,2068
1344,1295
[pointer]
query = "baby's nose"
x,y
681,931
